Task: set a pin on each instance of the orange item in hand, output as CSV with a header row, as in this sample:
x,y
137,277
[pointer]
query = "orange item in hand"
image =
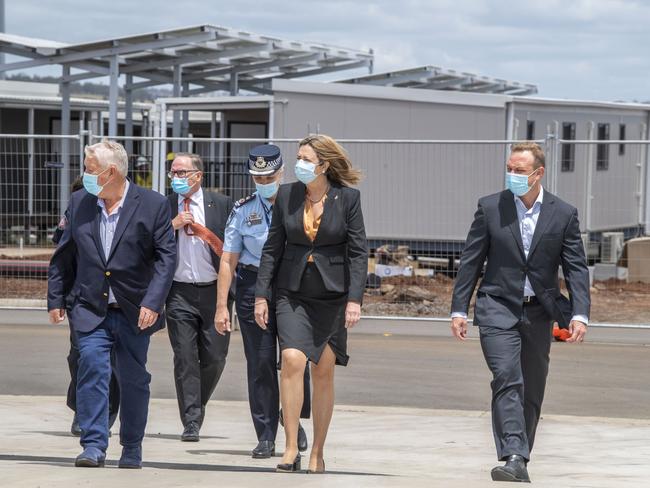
x,y
560,334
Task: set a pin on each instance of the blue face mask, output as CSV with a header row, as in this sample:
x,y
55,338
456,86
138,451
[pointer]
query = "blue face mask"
x,y
305,171
268,190
181,185
518,184
90,183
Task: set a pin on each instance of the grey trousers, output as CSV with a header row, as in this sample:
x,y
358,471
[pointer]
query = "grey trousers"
x,y
518,359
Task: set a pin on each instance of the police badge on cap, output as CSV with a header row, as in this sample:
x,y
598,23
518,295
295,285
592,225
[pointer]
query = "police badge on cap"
x,y
264,160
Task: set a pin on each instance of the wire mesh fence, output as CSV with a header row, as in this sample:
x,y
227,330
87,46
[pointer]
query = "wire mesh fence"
x,y
418,199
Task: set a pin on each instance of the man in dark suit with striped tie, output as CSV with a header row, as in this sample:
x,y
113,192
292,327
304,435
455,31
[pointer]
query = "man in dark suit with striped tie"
x,y
199,219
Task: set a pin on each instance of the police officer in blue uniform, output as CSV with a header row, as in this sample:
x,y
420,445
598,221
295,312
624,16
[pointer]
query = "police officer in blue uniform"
x,y
246,233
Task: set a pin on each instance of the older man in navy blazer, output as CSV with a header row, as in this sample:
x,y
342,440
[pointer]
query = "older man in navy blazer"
x,y
117,258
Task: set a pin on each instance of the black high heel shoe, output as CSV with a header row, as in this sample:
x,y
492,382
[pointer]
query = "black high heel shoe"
x,y
288,467
311,471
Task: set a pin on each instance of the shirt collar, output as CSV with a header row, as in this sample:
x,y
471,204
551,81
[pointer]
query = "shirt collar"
x,y
102,204
196,197
538,201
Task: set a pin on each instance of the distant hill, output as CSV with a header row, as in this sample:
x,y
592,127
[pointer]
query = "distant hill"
x,y
96,90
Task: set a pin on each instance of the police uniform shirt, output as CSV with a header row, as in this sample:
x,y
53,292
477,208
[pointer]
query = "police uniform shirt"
x,y
194,262
248,228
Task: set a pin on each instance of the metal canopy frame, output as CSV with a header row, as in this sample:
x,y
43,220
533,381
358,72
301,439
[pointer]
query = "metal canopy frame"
x,y
193,60
437,78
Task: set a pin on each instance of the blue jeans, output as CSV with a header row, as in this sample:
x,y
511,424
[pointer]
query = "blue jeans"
x,y
130,349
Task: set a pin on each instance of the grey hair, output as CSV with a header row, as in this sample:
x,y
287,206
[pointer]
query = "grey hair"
x,y
109,152
195,159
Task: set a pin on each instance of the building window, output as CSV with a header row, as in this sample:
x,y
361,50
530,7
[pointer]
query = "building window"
x,y
530,130
602,150
621,137
568,150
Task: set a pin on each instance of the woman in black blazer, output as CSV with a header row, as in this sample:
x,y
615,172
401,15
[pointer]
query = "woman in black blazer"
x,y
316,260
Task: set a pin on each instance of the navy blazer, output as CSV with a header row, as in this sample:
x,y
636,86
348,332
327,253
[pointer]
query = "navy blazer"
x,y
139,269
340,250
495,236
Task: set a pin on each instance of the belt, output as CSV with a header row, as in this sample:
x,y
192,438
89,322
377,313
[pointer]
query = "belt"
x,y
531,300
114,306
249,267
197,284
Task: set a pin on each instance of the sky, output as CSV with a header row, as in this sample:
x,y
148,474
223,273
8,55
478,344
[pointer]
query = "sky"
x,y
579,49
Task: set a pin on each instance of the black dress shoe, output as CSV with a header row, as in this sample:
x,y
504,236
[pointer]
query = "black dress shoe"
x,y
514,470
264,450
191,433
75,430
302,439
289,467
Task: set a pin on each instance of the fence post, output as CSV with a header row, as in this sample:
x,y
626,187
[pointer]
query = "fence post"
x,y
552,145
589,176
82,144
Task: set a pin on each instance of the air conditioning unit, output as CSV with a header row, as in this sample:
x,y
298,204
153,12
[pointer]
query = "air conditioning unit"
x,y
611,247
592,249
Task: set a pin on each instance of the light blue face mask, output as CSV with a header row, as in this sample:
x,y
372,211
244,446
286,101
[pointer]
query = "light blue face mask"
x,y
181,185
518,184
267,190
90,182
305,171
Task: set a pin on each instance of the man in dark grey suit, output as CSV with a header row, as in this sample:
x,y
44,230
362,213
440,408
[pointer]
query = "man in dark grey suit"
x,y
525,233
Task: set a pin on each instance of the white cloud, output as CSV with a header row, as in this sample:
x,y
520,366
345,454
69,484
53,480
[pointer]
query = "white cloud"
x,y
576,48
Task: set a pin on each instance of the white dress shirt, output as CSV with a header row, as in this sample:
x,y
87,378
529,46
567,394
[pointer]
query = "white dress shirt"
x,y
527,222
107,227
194,262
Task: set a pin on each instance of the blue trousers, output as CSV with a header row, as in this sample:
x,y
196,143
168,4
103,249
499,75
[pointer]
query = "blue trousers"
x,y
261,350
116,335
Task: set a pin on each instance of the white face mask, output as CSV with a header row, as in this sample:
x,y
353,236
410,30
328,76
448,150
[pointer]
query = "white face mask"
x,y
305,171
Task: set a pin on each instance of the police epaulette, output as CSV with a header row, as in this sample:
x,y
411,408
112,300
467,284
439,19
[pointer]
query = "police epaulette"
x,y
244,201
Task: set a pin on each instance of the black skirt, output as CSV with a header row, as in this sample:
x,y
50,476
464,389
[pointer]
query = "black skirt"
x,y
313,317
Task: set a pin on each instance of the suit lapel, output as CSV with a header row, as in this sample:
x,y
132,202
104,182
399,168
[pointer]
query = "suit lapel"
x,y
173,203
510,214
328,208
545,218
297,202
95,231
210,212
129,207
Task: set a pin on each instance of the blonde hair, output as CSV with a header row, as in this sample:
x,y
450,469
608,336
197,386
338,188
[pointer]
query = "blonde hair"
x,y
534,148
109,152
328,150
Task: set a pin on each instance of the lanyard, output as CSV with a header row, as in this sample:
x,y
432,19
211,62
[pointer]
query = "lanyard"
x,y
266,214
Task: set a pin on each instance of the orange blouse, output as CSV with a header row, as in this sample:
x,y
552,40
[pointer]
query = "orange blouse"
x,y
310,223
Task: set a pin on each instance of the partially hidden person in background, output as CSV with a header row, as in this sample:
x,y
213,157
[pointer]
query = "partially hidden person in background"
x,y
73,355
246,233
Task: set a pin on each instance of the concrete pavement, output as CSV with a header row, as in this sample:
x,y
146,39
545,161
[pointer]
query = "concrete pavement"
x,y
367,447
412,412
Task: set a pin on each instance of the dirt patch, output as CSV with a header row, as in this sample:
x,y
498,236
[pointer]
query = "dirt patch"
x,y
23,288
612,300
